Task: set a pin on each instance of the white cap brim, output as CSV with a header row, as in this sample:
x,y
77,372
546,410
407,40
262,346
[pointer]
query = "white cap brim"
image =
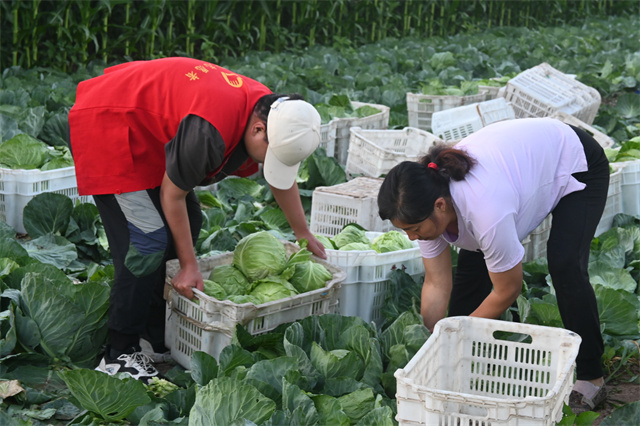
x,y
278,174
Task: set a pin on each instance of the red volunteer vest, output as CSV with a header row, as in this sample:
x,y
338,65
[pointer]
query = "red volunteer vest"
x,y
121,120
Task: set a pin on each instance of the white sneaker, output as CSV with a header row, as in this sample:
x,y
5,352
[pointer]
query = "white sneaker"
x,y
135,364
156,357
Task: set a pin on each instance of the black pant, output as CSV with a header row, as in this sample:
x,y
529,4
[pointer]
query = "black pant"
x,y
136,305
573,225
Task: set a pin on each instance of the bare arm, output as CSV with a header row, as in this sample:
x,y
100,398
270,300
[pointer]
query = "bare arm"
x,y
289,202
506,288
436,288
173,200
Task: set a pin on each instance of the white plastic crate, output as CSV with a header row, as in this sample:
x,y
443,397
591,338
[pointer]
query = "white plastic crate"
x,y
630,187
466,374
328,137
355,201
18,187
614,200
492,92
535,244
495,110
457,123
374,152
602,139
543,90
343,126
420,108
209,325
364,289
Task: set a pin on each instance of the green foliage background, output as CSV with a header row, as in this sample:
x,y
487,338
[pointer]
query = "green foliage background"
x,y
66,34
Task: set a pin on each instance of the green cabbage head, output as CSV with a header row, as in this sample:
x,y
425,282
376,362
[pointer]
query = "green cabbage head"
x,y
350,234
356,247
23,152
391,241
214,289
259,255
231,279
271,289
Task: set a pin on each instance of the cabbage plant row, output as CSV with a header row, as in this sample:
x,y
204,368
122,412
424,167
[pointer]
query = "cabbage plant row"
x,y
54,283
65,34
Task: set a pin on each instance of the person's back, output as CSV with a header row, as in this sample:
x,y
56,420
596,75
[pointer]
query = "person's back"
x,y
523,167
122,119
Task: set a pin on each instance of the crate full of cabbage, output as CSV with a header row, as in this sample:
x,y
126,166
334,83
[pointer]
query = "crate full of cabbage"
x,y
262,284
368,259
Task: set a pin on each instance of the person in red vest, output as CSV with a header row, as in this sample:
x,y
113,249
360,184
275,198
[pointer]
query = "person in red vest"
x,y
143,135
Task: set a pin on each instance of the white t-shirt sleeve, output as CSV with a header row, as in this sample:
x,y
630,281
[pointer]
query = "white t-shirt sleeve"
x,y
501,246
432,248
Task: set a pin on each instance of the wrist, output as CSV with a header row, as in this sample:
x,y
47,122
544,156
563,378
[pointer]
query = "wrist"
x,y
189,264
302,233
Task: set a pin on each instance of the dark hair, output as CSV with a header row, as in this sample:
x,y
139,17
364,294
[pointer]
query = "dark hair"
x,y
263,106
411,188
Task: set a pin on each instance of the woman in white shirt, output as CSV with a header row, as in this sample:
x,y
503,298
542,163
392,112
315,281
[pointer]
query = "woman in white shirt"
x,y
485,195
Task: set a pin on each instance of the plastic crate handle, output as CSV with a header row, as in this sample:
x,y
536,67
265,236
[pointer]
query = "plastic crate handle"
x,y
212,326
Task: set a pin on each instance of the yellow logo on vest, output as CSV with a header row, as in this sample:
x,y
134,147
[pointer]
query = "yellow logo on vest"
x,y
233,80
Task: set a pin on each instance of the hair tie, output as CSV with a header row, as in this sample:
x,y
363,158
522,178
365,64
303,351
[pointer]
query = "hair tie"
x,y
432,165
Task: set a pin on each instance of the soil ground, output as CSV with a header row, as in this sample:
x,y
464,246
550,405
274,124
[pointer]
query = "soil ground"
x,y
623,388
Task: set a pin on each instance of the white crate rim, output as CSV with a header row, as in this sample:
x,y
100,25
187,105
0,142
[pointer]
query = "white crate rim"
x,y
338,275
407,132
364,254
370,184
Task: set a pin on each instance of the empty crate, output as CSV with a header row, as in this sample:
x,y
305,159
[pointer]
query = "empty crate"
x,y
355,201
476,371
374,152
542,90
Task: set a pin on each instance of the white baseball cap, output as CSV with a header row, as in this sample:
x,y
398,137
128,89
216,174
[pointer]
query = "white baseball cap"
x,y
293,131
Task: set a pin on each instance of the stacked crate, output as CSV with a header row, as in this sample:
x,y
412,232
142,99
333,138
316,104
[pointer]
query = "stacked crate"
x,y
420,108
374,152
18,187
543,90
456,123
602,139
355,201
614,200
365,287
335,135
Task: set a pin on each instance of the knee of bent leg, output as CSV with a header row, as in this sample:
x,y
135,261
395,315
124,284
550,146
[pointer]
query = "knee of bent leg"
x,y
147,251
566,265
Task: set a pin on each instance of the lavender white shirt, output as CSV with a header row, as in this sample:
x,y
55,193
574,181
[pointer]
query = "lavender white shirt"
x,y
524,167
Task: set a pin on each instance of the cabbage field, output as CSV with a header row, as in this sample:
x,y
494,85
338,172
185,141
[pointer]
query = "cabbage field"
x,y
322,370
